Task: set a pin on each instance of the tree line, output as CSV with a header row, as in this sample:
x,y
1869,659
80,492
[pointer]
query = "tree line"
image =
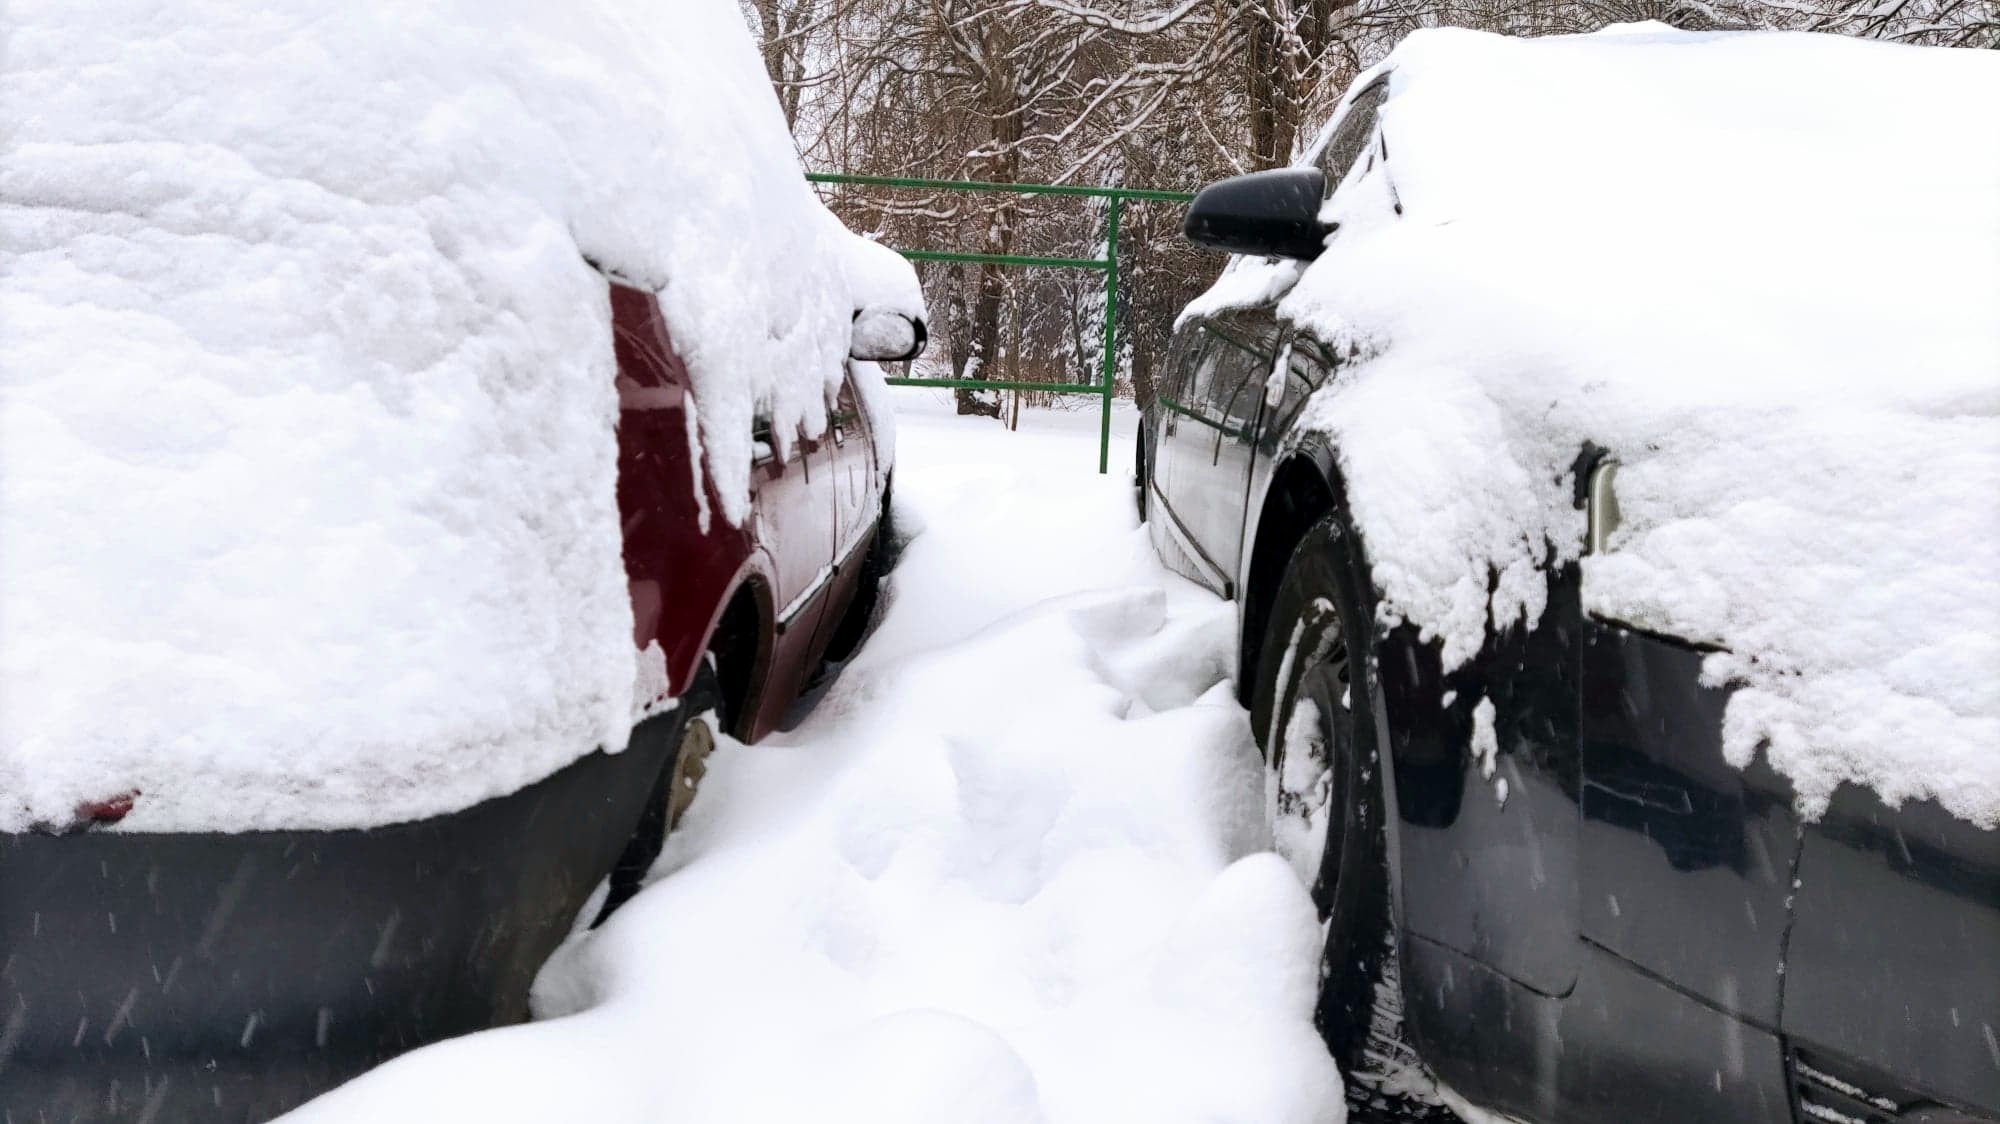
x,y
1141,93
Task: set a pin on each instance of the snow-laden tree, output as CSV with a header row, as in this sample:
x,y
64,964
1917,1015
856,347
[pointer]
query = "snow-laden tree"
x,y
1150,93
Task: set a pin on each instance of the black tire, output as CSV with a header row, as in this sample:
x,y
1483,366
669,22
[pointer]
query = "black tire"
x,y
672,789
1322,612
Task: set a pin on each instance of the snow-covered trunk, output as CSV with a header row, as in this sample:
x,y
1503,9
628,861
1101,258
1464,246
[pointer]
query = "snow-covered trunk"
x,y
778,24
1273,114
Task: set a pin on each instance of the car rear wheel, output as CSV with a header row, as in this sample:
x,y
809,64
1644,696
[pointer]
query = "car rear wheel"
x,y
675,791
1327,820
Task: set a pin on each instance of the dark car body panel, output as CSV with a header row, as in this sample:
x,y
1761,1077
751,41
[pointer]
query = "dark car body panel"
x,y
1894,964
1672,831
224,977
228,977
1641,930
1489,875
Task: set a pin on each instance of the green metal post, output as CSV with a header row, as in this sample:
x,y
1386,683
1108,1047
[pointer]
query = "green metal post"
x,y
1115,197
1110,334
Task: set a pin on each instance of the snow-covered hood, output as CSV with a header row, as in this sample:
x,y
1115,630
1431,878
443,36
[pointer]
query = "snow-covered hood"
x,y
1762,271
307,483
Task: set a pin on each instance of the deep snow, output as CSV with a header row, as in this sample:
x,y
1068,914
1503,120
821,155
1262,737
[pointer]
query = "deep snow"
x,y
1761,271
1013,866
307,512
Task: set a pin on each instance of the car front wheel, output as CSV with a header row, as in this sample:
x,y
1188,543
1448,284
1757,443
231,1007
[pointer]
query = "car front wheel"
x,y
1326,810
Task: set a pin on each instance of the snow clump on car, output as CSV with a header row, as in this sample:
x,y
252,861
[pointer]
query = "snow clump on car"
x,y
307,484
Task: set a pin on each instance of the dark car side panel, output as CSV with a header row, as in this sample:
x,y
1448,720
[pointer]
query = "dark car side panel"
x,y
1620,1047
1640,931
1489,864
1687,860
1639,1051
1488,872
1893,977
228,978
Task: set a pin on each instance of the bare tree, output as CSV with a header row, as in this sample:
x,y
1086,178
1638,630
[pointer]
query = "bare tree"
x,y
1149,93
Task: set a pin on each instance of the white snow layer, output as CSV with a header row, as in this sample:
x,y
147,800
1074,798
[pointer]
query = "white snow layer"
x,y
884,286
1012,868
881,278
1762,271
306,449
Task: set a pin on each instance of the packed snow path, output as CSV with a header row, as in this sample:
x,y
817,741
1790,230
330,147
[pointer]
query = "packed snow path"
x,y
1013,866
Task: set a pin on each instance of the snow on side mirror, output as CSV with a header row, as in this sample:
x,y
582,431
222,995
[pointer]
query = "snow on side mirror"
x,y
1267,214
885,336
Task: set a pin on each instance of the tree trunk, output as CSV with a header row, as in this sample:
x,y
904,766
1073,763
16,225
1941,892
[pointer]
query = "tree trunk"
x,y
1001,100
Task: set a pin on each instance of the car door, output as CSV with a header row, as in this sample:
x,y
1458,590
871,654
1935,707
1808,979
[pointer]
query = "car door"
x,y
852,471
1892,976
1255,342
1686,859
1178,435
1685,867
1215,406
1680,876
853,467
792,521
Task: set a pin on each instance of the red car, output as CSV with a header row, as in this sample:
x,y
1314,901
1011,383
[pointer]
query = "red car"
x,y
754,608
229,977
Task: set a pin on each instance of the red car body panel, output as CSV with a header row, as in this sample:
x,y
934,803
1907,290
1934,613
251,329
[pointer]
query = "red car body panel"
x,y
353,946
813,509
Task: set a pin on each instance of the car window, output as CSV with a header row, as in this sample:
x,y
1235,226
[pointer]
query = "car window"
x,y
1243,352
1184,355
764,447
844,415
1312,361
1347,142
1196,396
761,445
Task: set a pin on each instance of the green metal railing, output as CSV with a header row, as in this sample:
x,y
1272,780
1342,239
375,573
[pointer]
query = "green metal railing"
x,y
1108,264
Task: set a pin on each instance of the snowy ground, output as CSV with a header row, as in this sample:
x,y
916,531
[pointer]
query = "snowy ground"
x,y
1013,865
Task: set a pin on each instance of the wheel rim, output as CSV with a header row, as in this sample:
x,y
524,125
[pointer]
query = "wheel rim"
x,y
1311,796
690,765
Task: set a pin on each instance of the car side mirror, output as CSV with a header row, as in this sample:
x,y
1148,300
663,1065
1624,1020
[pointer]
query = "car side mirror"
x,y
884,336
1268,214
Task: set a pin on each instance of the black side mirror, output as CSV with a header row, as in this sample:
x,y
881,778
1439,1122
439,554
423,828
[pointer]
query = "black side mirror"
x,y
1269,214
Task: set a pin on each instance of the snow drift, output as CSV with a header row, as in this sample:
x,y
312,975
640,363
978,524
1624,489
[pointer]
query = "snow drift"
x,y
306,451
1011,868
1761,270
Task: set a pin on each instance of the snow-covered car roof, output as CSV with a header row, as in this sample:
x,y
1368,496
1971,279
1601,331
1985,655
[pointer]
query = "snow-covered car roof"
x,y
1762,271
307,508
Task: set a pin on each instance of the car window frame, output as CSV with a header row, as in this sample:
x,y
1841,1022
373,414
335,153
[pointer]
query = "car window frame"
x,y
1356,128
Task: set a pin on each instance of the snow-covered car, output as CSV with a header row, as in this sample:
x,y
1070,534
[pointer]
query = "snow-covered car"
x,y
356,428
1598,437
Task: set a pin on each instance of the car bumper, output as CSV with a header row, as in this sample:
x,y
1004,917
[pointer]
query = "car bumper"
x,y
231,977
